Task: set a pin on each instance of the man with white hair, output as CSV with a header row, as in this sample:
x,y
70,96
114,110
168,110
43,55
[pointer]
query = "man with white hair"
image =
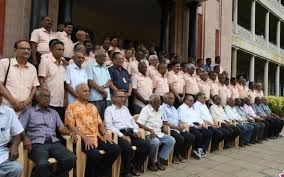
x,y
191,85
154,62
81,37
150,119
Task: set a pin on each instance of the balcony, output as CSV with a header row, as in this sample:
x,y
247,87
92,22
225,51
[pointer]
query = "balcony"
x,y
276,4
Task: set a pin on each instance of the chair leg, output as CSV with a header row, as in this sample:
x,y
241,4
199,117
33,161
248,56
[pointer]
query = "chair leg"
x,y
237,141
145,165
209,147
189,153
171,156
116,167
221,145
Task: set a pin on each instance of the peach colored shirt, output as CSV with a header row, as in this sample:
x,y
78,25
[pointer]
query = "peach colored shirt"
x,y
126,63
42,37
213,87
20,80
259,93
152,71
161,84
223,94
191,85
241,90
68,43
133,67
234,92
177,81
53,74
144,86
251,94
86,118
204,87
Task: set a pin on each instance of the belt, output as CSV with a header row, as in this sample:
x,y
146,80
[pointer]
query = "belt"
x,y
126,130
48,140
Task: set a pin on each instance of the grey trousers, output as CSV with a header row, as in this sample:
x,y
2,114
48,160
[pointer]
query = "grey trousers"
x,y
10,169
101,106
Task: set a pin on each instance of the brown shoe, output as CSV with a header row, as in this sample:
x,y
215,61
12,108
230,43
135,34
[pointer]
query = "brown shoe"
x,y
175,160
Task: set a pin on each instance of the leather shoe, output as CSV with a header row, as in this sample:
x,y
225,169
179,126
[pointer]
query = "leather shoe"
x,y
134,172
160,166
153,167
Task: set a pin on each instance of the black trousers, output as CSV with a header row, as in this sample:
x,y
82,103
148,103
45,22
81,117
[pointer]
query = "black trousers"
x,y
140,155
276,126
258,131
136,109
177,103
266,133
202,138
183,142
40,154
218,134
234,131
99,165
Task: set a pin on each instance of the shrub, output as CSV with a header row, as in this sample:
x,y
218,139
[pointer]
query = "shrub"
x,y
276,105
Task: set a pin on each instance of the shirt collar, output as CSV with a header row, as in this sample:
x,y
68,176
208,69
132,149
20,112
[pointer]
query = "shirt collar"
x,y
65,34
152,109
44,30
37,108
55,61
2,110
14,62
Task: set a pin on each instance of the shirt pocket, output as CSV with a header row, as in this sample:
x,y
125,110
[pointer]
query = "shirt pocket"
x,y
4,135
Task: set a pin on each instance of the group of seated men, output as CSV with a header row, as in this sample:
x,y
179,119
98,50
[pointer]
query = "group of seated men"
x,y
89,91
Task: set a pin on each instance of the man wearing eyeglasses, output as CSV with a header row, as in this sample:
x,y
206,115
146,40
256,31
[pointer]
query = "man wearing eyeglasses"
x,y
18,78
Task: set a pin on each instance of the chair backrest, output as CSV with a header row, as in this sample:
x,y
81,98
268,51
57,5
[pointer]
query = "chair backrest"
x,y
135,117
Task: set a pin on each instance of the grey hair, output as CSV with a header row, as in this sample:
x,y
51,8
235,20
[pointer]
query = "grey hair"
x,y
80,85
152,57
153,96
39,91
165,96
189,65
80,31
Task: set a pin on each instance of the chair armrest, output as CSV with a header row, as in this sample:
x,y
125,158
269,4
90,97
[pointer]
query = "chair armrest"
x,y
69,143
185,126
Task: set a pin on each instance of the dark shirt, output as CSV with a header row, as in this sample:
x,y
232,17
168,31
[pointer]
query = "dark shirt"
x,y
207,67
40,125
120,77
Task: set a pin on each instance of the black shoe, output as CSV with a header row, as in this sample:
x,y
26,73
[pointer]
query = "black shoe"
x,y
257,141
153,167
160,166
134,172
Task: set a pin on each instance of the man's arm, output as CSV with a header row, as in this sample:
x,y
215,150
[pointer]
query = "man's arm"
x,y
6,94
139,97
70,90
34,49
14,151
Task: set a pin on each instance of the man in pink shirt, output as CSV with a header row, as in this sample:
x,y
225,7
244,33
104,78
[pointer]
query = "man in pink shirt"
x,y
258,90
160,82
233,88
240,86
154,62
133,65
222,90
128,57
213,83
191,85
204,86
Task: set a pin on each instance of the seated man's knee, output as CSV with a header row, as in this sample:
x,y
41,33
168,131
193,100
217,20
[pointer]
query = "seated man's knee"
x,y
17,168
154,142
114,150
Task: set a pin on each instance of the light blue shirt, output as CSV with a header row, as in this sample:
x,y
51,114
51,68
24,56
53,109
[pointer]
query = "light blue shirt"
x,y
9,126
101,76
74,76
170,114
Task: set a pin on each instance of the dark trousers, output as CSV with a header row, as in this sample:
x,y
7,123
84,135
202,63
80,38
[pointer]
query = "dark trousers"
x,y
183,142
177,103
218,134
60,111
40,154
101,106
202,138
258,131
136,109
267,127
99,165
276,126
140,155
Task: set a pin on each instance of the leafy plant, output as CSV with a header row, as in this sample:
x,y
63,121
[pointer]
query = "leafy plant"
x,y
276,105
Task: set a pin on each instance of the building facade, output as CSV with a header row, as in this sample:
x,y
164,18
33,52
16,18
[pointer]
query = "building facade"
x,y
245,33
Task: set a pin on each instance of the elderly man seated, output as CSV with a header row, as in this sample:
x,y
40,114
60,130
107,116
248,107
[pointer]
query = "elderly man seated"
x,y
40,123
266,109
188,115
150,119
84,119
218,134
219,115
183,138
246,129
11,130
258,126
276,124
119,120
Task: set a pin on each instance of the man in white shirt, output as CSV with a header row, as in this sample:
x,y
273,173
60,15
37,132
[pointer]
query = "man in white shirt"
x,y
218,133
183,138
65,37
10,130
150,119
246,129
188,115
219,115
119,120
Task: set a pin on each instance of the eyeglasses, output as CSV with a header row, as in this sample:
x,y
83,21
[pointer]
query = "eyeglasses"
x,y
22,48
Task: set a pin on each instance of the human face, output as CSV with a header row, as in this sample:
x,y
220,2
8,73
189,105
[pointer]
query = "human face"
x,y
43,99
222,78
208,61
238,102
154,62
23,50
202,99
176,68
128,54
82,36
114,42
213,76
68,29
57,51
101,58
257,100
259,87
251,85
139,56
83,93
170,99
204,76
191,70
156,103
218,60
119,99
142,67
227,82
217,100
106,44
231,102
47,22
79,58
189,101
118,60
162,69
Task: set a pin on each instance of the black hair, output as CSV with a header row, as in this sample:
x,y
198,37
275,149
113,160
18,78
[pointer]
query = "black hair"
x,y
16,44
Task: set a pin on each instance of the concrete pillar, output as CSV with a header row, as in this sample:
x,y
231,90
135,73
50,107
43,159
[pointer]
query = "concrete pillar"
x,y
277,80
2,23
65,11
39,9
252,19
165,25
251,68
278,35
235,15
267,28
265,76
234,62
193,29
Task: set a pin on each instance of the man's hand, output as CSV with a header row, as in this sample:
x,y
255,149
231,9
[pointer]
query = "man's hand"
x,y
89,144
74,137
105,94
18,106
127,94
14,153
27,144
153,134
108,138
136,134
127,138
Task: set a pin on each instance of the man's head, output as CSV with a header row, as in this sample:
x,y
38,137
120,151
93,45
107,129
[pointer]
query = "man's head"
x,y
117,59
106,43
46,22
257,100
22,49
222,78
199,70
216,69
128,53
240,79
200,62
247,101
227,81
89,46
78,58
162,68
251,85
60,28
203,76
213,75
201,97
231,102
233,81
176,66
189,100
153,60
216,99
118,98
100,57
190,68
80,48
83,92
208,61
238,102
43,98
81,36
57,49
169,98
139,55
113,41
258,86
155,101
142,68
263,100
68,28
218,60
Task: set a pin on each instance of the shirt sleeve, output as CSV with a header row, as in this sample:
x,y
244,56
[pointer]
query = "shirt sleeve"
x,y
59,123
35,36
24,118
69,117
89,71
3,68
43,67
67,77
134,82
35,80
170,78
108,122
108,75
143,116
16,126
